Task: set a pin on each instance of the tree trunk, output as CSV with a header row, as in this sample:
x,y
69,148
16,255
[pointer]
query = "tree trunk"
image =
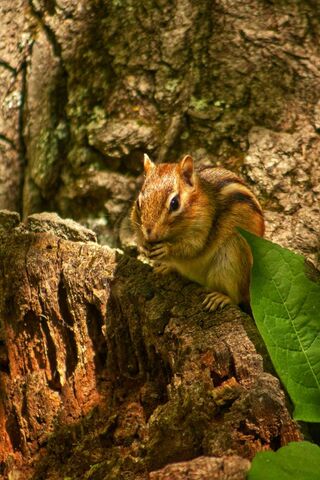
x,y
111,371
108,371
89,86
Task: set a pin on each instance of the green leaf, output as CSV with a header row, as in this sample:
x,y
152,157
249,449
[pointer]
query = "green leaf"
x,y
286,307
296,461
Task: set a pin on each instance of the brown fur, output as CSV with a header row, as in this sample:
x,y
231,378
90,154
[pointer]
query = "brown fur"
x,y
199,240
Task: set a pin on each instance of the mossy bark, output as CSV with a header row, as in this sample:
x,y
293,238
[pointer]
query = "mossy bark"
x,y
90,86
109,371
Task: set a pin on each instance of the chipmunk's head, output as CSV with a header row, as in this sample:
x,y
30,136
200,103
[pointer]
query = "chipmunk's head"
x,y
165,200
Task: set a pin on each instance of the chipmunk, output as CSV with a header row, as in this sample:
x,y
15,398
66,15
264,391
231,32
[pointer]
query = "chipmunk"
x,y
186,221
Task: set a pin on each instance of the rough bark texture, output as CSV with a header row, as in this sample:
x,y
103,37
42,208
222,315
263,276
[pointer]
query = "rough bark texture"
x,y
106,370
90,85
232,468
14,51
103,375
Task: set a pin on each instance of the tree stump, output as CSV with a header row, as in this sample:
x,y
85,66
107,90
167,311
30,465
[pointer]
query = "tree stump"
x,y
110,371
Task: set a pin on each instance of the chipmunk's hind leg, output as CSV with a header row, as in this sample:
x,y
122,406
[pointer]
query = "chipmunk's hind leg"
x,y
215,301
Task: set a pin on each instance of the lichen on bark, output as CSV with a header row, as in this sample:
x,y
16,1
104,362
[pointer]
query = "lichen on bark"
x,y
119,79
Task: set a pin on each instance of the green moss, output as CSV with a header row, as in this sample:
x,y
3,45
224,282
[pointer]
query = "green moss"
x,y
94,469
185,135
98,115
199,103
118,3
221,104
45,155
171,85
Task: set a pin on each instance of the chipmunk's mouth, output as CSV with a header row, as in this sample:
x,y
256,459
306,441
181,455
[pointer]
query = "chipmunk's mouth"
x,y
152,243
159,239
147,247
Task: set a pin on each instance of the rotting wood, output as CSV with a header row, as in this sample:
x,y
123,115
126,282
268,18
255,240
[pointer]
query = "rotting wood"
x,y
112,366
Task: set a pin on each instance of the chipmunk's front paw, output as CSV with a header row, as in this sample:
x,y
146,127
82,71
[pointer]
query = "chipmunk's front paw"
x,y
216,300
162,269
158,251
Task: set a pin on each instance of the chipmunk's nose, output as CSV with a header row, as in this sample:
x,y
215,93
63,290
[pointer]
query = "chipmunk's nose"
x,y
149,234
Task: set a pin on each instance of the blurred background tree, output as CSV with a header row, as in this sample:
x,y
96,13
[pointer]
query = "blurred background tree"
x,y
87,87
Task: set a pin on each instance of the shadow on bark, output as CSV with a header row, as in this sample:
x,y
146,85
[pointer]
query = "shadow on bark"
x,y
110,370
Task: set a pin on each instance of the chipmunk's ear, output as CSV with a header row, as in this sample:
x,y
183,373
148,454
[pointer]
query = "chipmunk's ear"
x,y
148,164
187,169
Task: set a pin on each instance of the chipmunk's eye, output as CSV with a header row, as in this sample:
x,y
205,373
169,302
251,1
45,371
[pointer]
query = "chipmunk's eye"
x,y
138,204
174,204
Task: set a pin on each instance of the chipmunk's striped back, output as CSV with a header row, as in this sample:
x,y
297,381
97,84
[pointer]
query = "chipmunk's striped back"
x,y
235,204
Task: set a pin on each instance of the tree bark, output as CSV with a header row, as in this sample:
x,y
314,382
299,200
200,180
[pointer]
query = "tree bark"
x,y
90,85
107,369
110,371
